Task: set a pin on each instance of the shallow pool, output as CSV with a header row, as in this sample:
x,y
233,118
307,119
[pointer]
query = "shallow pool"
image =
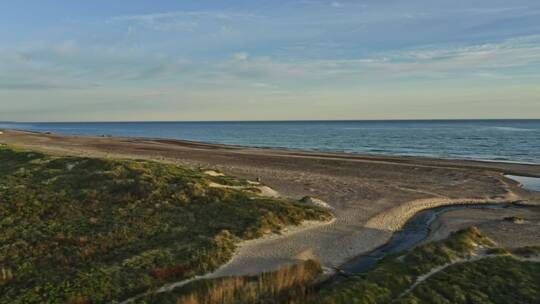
x,y
529,183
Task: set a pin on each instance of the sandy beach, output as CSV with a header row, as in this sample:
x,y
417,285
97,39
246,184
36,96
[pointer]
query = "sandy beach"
x,y
371,196
498,225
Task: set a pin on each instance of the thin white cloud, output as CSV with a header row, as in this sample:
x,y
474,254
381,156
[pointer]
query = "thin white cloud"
x,y
173,21
69,65
241,56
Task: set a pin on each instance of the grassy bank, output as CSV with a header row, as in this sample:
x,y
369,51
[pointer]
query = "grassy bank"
x,y
497,280
501,277
85,230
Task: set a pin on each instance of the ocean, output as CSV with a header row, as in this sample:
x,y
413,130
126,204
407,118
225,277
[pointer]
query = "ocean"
x,y
491,140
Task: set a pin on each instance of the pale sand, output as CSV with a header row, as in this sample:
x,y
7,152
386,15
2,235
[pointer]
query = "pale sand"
x,y
492,223
287,232
213,173
246,249
336,242
396,217
372,196
263,190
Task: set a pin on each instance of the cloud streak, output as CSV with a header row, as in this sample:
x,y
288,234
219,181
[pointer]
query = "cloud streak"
x,y
70,65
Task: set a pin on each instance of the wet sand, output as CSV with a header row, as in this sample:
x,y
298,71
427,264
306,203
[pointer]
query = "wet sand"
x,y
492,223
372,196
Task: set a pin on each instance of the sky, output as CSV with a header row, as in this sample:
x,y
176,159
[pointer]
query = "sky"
x,y
158,60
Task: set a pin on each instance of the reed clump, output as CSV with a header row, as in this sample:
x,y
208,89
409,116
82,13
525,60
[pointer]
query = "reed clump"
x,y
286,285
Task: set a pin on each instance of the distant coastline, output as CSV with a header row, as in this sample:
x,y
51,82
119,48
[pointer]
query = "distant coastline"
x,y
274,120
512,141
296,150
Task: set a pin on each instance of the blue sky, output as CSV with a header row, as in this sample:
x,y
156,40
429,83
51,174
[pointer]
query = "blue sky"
x,y
254,60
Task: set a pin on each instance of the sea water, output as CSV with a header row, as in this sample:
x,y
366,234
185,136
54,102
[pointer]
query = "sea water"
x,y
493,140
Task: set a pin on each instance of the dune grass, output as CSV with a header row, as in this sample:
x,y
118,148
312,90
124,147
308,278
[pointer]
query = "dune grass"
x,y
397,272
286,285
529,251
87,230
499,278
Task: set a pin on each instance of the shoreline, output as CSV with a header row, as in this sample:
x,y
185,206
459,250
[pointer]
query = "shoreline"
x,y
368,194
293,151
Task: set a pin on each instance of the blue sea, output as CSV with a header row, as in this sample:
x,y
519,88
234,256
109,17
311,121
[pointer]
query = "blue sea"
x,y
492,140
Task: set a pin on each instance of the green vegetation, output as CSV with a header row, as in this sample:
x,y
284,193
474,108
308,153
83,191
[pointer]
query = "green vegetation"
x,y
84,230
281,286
529,251
497,278
398,272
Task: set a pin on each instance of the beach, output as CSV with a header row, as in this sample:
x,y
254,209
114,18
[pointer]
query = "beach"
x,y
510,228
371,196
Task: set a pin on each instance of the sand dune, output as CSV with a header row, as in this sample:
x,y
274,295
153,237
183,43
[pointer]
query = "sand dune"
x,y
371,196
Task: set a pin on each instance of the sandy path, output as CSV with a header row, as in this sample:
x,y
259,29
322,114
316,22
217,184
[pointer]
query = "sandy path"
x,y
434,271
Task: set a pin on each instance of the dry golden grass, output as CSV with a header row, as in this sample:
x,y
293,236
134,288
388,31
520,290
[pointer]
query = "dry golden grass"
x,y
284,285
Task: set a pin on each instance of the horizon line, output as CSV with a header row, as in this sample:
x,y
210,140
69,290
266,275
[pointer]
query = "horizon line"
x,y
276,120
